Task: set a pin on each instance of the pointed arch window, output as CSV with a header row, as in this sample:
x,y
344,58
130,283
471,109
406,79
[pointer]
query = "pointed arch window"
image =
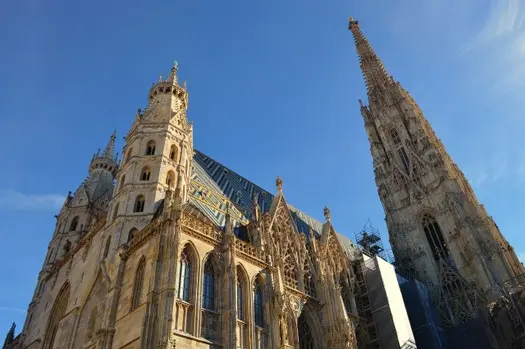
x,y
57,313
139,204
403,156
184,276
138,284
106,248
305,333
435,238
150,148
258,305
74,224
115,211
395,137
173,152
309,285
208,287
210,320
145,174
170,179
240,296
132,233
290,271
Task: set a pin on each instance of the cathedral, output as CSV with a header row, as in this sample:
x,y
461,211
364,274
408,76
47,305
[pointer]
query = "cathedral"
x,y
168,248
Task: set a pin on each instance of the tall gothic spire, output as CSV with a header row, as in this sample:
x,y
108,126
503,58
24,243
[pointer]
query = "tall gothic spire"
x,y
374,72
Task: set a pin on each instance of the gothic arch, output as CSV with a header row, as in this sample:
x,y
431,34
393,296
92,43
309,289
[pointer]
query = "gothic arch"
x,y
291,269
211,290
309,329
94,299
138,283
434,236
188,272
57,313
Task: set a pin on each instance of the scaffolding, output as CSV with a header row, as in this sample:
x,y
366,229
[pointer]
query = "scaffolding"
x,y
369,239
366,330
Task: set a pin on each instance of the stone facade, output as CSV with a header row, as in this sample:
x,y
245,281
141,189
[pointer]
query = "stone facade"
x,y
183,253
439,232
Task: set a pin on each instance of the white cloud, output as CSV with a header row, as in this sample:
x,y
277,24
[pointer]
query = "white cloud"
x,y
10,199
499,46
14,310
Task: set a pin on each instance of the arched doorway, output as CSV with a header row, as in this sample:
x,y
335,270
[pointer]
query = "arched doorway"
x,y
306,340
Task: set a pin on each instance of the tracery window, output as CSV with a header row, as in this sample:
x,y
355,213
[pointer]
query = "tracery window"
x,y
258,305
309,285
208,288
139,204
210,316
400,150
58,311
435,238
74,224
305,333
150,148
145,174
242,326
240,298
290,271
184,276
138,284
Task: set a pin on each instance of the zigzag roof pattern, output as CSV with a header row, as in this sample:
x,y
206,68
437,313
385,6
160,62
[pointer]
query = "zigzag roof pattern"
x,y
214,185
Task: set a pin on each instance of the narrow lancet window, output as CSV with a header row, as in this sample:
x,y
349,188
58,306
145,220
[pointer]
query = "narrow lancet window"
x,y
435,238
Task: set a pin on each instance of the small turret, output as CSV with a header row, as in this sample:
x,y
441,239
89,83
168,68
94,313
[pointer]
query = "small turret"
x,y
10,336
107,160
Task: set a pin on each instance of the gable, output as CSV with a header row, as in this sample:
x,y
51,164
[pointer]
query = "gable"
x,y
214,185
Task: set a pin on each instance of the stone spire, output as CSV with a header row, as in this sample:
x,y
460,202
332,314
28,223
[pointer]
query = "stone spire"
x,y
107,160
172,77
110,148
374,72
10,336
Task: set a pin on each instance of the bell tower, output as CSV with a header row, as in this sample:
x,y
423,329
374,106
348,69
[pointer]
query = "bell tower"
x,y
157,157
439,232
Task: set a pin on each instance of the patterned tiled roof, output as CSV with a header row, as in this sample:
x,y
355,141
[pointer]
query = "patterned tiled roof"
x,y
214,185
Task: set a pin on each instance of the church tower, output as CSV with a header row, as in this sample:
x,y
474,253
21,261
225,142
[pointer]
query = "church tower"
x,y
88,205
157,157
439,232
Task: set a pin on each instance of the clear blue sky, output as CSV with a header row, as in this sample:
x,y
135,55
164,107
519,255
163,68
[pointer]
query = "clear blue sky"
x,y
273,91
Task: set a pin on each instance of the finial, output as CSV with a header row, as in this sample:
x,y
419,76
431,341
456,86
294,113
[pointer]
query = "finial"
x,y
160,78
326,212
352,22
360,103
279,184
175,65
